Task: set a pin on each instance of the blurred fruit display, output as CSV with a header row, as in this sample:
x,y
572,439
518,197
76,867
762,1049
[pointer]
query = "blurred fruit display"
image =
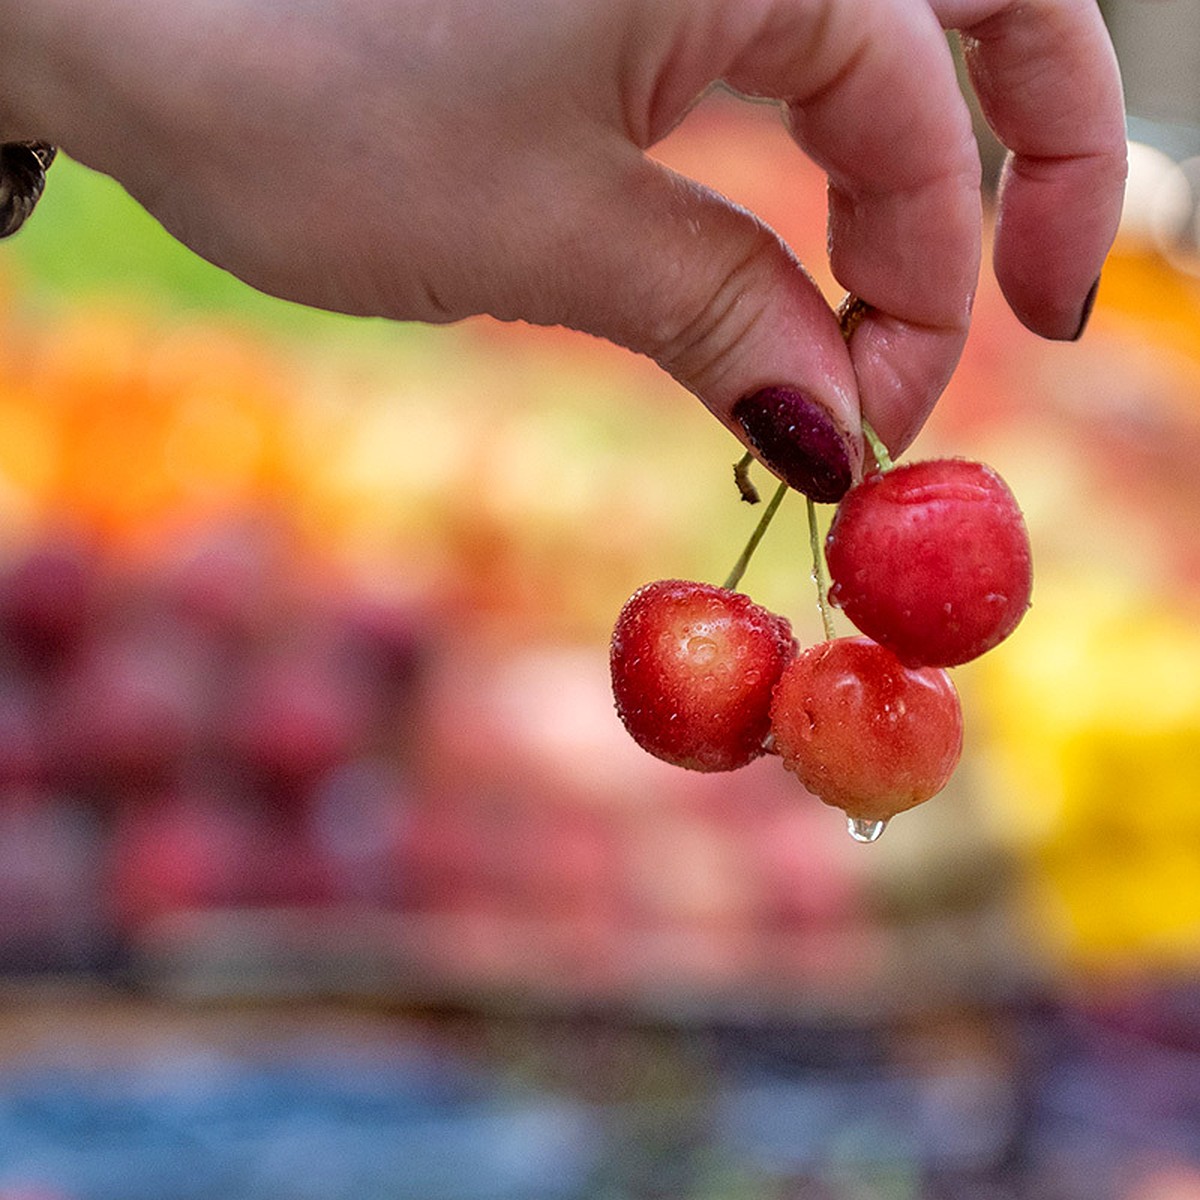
x,y
303,677
281,700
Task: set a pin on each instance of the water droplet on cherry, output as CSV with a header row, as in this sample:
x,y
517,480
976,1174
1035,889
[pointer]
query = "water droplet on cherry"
x,y
865,831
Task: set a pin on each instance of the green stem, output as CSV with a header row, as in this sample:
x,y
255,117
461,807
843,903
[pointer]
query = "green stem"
x,y
819,576
739,567
882,458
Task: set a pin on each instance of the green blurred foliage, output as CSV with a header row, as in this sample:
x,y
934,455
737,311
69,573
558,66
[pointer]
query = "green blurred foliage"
x,y
90,240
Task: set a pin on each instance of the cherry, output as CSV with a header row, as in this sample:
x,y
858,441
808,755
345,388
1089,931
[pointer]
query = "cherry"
x,y
932,560
862,731
49,600
294,716
693,666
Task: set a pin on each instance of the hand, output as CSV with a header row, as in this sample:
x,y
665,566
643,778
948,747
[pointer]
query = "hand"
x,y
433,159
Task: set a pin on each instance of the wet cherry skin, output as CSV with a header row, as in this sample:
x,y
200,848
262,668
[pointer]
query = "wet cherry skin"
x,y
932,560
864,732
693,667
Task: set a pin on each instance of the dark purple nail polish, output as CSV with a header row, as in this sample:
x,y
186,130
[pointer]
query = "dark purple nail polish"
x,y
1089,303
798,440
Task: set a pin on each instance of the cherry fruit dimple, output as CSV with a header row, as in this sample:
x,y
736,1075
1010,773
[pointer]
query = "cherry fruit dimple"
x,y
693,668
932,560
864,732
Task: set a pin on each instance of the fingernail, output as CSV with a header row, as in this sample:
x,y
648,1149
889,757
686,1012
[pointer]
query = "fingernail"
x,y
1088,304
797,439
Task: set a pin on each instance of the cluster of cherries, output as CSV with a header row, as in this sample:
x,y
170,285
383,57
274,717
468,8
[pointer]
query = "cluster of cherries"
x,y
930,561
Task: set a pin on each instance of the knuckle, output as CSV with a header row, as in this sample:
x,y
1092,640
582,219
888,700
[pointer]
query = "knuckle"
x,y
698,349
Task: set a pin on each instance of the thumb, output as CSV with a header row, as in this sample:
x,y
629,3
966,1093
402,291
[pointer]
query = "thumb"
x,y
671,269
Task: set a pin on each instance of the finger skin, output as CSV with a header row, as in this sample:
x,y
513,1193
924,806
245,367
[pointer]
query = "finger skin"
x,y
1049,85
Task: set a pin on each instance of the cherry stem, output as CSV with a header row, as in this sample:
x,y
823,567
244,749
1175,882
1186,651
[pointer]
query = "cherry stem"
x,y
741,476
850,314
739,567
819,575
882,458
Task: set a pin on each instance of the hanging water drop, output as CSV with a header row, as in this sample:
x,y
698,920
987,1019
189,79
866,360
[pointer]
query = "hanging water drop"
x,y
865,831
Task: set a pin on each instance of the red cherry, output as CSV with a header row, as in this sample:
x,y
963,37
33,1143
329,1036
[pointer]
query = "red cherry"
x,y
693,666
125,716
864,732
295,717
49,600
932,560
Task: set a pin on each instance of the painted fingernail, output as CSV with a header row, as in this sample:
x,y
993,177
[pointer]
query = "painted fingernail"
x,y
797,439
1085,315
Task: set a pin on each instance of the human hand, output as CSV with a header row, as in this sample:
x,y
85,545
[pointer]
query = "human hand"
x,y
434,159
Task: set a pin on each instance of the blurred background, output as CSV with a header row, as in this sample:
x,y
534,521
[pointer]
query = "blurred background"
x,y
327,871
